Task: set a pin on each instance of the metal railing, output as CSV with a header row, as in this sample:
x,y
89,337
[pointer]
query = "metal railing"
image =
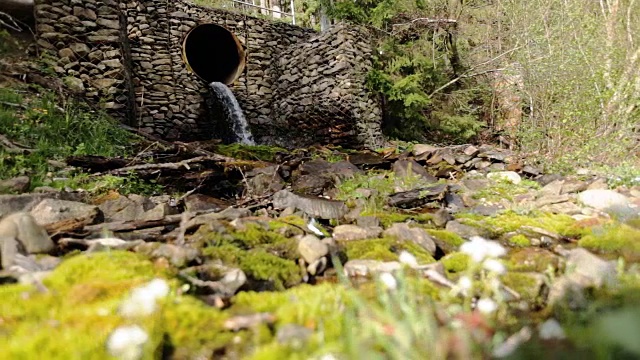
x,y
292,15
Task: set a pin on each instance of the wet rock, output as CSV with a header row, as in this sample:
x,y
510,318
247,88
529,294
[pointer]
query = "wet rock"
x,y
354,232
18,184
312,249
509,176
418,197
20,234
364,268
406,168
200,202
315,207
50,211
403,232
215,279
178,256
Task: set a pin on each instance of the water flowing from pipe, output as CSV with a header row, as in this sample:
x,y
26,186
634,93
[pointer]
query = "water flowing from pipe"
x,y
233,113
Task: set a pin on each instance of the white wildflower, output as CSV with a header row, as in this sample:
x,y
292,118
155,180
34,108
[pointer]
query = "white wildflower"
x,y
551,329
389,281
312,226
408,259
494,265
142,300
126,342
486,306
465,283
479,249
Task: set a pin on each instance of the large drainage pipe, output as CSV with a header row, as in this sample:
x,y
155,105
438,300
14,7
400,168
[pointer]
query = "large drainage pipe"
x,y
213,53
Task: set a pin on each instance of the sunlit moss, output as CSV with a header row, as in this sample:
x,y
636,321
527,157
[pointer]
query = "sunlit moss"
x,y
446,236
385,249
74,318
455,262
519,240
510,221
617,239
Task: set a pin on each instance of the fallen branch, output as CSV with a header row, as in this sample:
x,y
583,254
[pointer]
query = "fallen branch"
x,y
168,166
13,147
141,224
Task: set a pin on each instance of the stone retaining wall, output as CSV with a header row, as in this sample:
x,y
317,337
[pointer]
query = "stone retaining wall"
x,y
299,87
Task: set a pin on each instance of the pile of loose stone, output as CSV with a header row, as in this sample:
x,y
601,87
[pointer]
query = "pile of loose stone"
x,y
56,222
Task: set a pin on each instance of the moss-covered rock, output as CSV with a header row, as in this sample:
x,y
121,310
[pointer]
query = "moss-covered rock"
x,y
519,240
510,221
528,285
74,318
447,237
618,239
250,152
385,249
532,259
456,262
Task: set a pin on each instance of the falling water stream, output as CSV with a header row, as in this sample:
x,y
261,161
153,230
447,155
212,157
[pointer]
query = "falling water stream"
x,y
233,113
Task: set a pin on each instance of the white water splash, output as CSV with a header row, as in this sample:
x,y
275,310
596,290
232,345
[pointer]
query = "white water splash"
x,y
233,112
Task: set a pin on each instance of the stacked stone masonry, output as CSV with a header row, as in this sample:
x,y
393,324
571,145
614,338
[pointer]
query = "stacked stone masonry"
x,y
299,87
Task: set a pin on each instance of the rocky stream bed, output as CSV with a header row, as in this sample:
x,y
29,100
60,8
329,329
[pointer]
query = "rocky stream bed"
x,y
438,252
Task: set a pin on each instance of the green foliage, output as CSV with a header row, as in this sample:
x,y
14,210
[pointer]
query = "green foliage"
x,y
619,239
54,133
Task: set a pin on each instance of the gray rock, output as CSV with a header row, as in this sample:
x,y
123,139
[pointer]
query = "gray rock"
x,y
314,207
418,197
21,234
18,184
441,217
358,267
510,176
215,278
583,270
406,168
74,84
264,181
311,184
603,199
354,232
125,208
311,248
178,256
403,232
199,202
464,231
50,211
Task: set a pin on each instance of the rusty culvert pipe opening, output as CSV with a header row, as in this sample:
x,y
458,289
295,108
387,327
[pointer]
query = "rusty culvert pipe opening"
x,y
213,53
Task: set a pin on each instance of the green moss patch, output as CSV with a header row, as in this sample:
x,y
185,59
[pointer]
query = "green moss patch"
x,y
504,189
74,319
385,249
526,284
455,262
261,251
532,259
446,236
519,240
616,239
510,221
